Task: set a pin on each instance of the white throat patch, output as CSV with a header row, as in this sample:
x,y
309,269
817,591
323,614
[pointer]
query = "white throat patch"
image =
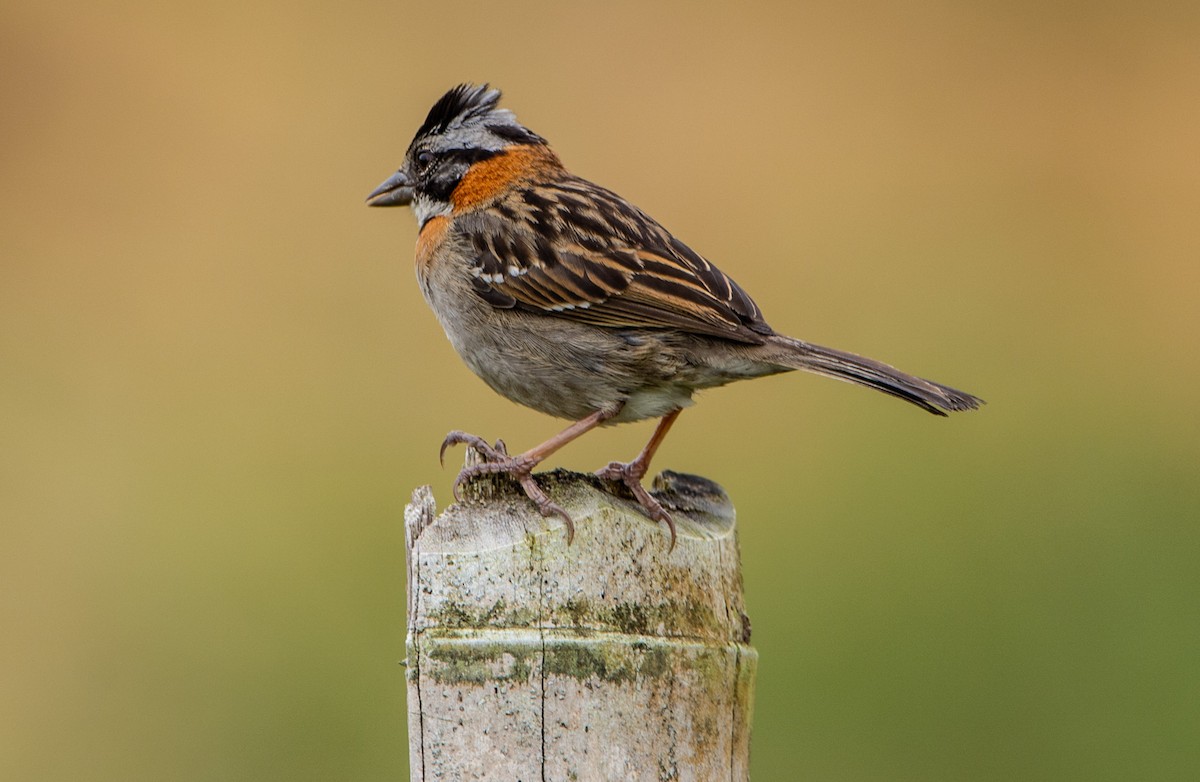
x,y
426,209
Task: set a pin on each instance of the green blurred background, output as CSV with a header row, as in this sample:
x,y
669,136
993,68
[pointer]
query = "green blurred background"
x,y
219,383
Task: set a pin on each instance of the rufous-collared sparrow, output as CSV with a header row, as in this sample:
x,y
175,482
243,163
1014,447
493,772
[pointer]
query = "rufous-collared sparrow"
x,y
566,298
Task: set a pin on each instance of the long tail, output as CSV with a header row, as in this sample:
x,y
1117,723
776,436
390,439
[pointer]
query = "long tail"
x,y
838,364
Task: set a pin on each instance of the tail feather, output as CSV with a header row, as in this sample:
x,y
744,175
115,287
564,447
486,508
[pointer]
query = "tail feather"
x,y
838,364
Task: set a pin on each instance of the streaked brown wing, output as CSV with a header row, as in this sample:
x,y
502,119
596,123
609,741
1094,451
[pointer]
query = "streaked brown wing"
x,y
598,260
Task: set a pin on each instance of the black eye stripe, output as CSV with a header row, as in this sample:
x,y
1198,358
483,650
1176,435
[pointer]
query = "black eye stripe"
x,y
438,173
426,159
470,155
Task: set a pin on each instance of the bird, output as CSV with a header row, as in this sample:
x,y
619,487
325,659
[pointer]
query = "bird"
x,y
566,298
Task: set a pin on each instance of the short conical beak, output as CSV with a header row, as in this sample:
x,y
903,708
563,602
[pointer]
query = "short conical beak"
x,y
395,191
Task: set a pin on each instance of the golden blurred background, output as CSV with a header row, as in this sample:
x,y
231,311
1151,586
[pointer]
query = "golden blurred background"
x,y
219,383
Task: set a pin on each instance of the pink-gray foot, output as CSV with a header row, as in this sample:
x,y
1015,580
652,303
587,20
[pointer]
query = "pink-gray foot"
x,y
496,461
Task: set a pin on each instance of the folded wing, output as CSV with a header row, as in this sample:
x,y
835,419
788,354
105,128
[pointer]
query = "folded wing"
x,y
597,260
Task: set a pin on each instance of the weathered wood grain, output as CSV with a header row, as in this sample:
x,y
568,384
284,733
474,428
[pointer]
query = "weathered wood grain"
x,y
614,658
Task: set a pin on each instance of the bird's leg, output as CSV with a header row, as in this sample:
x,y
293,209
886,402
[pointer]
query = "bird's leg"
x,y
520,467
631,473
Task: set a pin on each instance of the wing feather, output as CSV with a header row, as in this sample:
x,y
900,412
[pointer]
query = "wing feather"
x,y
590,256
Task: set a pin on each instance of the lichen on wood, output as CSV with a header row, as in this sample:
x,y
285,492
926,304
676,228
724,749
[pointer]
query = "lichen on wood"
x,y
616,657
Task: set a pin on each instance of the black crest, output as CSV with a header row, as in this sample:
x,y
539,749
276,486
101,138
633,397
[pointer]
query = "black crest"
x,y
460,104
476,105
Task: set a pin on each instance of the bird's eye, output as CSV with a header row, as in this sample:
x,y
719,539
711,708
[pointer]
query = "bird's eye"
x,y
424,159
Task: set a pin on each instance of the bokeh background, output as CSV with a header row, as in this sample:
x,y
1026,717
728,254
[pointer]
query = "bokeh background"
x,y
219,383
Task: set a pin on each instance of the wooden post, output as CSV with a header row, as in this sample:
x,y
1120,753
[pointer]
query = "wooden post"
x,y
611,659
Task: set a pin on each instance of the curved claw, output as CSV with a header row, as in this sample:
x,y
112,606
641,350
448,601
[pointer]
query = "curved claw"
x,y
630,476
498,462
453,438
456,488
478,443
661,515
546,506
553,509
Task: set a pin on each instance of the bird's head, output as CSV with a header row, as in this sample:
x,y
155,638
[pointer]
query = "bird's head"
x,y
466,126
